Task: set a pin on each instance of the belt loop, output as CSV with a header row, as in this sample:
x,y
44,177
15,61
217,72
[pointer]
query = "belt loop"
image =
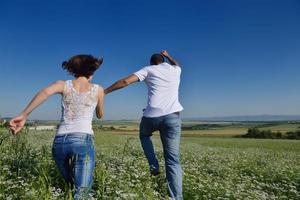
x,y
65,137
89,137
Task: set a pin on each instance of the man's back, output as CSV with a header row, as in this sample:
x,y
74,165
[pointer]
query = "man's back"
x,y
163,84
163,81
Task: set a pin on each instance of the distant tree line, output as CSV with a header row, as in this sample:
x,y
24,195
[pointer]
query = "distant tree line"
x,y
104,128
268,134
202,127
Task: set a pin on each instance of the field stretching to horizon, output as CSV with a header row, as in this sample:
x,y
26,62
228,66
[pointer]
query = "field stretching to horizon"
x,y
217,163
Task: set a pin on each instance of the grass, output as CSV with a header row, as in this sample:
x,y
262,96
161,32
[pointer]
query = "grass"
x,y
214,167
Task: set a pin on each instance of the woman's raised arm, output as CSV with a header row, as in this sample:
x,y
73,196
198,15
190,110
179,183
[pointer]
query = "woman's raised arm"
x,y
17,123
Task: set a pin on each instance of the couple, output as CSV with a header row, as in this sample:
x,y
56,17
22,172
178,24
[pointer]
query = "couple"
x,y
73,145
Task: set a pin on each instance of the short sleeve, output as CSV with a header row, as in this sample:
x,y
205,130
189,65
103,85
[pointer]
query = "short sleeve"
x,y
177,67
142,73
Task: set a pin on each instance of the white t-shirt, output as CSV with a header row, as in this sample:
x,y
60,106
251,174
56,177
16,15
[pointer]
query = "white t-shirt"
x,y
163,84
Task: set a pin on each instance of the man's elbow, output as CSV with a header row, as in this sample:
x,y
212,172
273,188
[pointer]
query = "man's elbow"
x,y
124,82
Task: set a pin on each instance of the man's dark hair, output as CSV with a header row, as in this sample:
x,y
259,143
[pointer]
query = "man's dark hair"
x,y
156,59
82,65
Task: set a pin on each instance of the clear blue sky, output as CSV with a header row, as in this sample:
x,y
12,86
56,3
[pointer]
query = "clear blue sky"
x,y
238,57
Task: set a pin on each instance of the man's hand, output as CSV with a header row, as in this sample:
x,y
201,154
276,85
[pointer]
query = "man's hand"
x,y
17,123
171,60
165,53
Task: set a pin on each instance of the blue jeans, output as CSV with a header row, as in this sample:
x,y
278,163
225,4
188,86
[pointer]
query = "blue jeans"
x,y
74,156
169,127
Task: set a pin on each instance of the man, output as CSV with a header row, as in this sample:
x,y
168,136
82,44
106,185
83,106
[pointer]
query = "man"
x,y
162,114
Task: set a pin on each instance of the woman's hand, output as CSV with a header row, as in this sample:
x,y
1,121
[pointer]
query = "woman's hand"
x,y
16,124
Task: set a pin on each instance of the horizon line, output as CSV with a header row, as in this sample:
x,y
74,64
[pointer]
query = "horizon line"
x,y
208,118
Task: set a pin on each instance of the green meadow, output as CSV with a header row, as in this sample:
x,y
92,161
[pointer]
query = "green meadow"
x,y
217,164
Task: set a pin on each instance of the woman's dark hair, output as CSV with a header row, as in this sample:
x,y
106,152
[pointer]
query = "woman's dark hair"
x,y
82,65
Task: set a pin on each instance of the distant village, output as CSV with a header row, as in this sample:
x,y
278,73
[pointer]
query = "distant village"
x,y
33,124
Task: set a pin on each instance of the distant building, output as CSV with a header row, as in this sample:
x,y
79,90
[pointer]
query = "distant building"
x,y
43,128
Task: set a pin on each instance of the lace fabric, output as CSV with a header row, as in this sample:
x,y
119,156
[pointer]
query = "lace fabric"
x,y
77,109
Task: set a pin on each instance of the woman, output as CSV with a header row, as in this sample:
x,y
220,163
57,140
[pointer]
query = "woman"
x,y
73,145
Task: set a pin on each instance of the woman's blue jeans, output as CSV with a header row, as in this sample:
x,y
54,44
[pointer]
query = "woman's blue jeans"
x,y
169,127
74,155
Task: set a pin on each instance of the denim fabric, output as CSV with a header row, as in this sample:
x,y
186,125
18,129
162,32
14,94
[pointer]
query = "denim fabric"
x,y
74,155
169,127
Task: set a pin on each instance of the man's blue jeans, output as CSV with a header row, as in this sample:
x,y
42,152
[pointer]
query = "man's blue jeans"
x,y
169,127
75,158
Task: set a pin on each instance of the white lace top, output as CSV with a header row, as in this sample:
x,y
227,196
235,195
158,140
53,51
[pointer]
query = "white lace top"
x,y
77,109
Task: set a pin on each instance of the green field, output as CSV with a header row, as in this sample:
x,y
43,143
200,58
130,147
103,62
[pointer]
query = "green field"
x,y
216,165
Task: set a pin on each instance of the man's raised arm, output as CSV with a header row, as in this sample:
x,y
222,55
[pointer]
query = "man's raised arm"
x,y
121,83
171,60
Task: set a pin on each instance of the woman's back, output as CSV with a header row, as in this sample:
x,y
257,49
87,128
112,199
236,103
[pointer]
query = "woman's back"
x,y
78,105
73,146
